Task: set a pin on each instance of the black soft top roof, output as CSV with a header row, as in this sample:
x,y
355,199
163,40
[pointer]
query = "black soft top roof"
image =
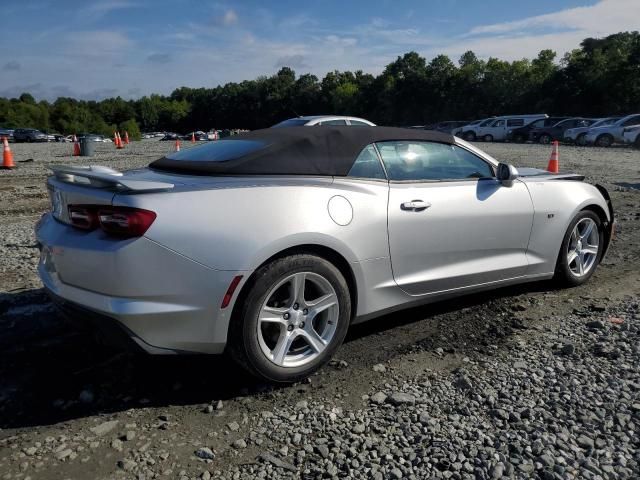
x,y
322,150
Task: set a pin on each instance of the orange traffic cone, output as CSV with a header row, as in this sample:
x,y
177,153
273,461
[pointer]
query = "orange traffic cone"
x,y
7,156
554,159
193,137
115,139
177,145
119,145
126,137
76,147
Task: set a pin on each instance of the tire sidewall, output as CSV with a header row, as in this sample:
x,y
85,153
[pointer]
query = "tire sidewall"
x,y
266,278
563,272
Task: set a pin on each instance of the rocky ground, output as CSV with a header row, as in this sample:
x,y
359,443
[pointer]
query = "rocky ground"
x,y
523,382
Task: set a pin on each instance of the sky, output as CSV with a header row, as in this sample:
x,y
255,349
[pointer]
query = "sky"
x,y
93,49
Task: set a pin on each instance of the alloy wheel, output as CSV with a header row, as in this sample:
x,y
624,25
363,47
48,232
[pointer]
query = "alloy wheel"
x,y
298,319
582,250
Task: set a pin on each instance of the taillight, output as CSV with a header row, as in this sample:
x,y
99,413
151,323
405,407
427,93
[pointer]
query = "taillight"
x,y
123,222
83,217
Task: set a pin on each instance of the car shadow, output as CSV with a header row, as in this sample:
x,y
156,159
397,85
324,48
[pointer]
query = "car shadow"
x,y
50,372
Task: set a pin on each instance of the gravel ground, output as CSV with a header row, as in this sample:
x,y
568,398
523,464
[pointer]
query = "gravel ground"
x,y
523,382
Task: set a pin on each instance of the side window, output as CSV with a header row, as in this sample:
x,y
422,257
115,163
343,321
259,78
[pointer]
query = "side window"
x,y
499,123
408,160
333,122
358,123
515,122
367,165
635,120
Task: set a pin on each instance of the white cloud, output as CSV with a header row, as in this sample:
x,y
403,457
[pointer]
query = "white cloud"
x,y
230,18
560,31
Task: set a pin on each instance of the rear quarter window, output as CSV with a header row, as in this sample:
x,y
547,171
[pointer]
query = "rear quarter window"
x,y
218,151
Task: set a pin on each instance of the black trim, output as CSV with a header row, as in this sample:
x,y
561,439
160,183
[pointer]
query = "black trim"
x,y
106,330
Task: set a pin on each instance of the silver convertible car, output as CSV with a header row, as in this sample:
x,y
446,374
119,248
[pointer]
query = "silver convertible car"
x,y
268,245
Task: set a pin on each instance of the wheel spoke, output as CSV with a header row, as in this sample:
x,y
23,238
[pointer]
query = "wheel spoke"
x,y
587,231
593,250
580,264
272,315
297,288
314,340
322,303
283,346
571,257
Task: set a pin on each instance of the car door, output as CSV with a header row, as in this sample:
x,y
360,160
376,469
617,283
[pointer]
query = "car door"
x,y
496,129
631,120
451,224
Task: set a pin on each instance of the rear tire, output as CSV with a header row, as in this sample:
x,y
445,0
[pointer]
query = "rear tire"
x,y
581,250
488,138
545,139
275,334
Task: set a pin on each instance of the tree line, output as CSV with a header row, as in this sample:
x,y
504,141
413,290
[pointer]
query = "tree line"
x,y
600,78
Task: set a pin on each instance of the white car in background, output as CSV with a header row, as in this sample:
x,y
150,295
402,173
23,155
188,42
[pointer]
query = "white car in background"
x,y
497,128
607,135
631,135
317,120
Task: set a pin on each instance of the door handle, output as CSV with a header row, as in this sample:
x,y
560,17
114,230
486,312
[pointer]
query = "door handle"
x,y
415,205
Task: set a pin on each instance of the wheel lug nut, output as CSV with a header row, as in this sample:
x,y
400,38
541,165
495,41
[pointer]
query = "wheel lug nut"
x,y
286,316
290,327
296,306
301,324
305,311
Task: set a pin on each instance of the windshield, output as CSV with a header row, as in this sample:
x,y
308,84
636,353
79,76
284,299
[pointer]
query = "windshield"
x,y
292,122
605,121
486,122
218,151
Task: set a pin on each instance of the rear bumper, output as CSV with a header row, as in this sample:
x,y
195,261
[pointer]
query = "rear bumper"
x,y
158,299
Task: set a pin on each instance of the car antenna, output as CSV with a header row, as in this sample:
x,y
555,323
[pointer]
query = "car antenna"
x,y
295,113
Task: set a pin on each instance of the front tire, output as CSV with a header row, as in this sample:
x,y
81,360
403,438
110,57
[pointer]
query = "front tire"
x,y
605,140
469,136
581,140
293,319
488,138
581,250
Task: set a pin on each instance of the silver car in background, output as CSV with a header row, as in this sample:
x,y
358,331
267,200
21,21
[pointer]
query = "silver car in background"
x,y
607,135
325,120
577,135
631,136
269,245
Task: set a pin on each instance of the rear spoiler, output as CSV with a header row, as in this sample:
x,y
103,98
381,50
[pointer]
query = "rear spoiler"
x,y
527,172
96,176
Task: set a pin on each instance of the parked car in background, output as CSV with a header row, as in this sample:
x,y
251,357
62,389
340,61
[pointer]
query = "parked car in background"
x,y
468,131
6,133
498,128
631,135
94,137
317,120
459,131
170,136
547,134
521,134
199,135
577,135
607,135
450,126
29,135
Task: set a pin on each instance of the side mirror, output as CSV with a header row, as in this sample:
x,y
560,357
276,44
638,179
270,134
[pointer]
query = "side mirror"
x,y
506,174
